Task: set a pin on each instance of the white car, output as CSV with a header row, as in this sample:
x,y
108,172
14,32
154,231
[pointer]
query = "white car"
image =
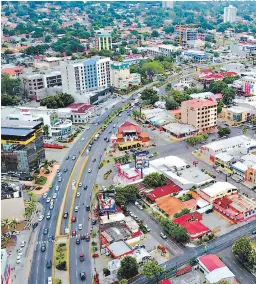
x,y
80,184
140,207
147,228
18,260
89,171
80,226
45,195
48,200
73,157
57,188
83,139
163,236
41,218
73,182
20,251
23,243
78,194
59,179
76,208
54,196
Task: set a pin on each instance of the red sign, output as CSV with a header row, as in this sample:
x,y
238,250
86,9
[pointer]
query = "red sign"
x,y
247,88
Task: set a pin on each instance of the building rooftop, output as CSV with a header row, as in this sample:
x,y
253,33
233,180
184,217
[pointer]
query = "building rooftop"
x,y
197,103
195,227
179,129
119,248
196,216
242,203
217,188
19,124
218,274
163,191
79,107
12,71
15,132
211,262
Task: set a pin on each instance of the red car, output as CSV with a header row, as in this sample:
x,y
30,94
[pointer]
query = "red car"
x,y
95,255
74,233
87,237
73,219
81,257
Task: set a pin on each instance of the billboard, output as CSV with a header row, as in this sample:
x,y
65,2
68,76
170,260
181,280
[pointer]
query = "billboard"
x,y
142,160
107,201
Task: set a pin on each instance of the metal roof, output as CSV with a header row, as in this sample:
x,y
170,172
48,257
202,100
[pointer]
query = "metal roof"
x,y
15,131
19,124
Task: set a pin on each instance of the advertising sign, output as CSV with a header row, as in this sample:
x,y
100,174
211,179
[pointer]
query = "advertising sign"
x,y
142,160
247,88
107,201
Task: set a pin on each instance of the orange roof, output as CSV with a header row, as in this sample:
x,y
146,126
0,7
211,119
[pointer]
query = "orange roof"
x,y
12,71
172,205
119,135
176,111
197,103
144,134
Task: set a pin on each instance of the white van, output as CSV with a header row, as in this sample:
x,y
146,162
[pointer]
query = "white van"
x,y
49,280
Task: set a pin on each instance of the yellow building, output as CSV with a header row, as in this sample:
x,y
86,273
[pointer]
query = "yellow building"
x,y
237,115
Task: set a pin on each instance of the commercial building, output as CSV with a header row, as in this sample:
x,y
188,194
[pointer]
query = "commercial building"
x,y
78,112
236,115
103,40
21,146
230,14
5,268
249,85
159,192
196,55
202,114
184,35
82,78
13,72
120,74
217,190
42,84
162,50
167,4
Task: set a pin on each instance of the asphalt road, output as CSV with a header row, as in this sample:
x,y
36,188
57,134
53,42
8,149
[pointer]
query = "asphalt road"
x,y
213,246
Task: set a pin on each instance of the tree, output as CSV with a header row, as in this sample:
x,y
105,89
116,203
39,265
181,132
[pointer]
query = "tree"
x,y
129,268
126,194
155,34
168,87
5,223
223,131
123,281
8,51
229,79
9,86
196,139
152,270
220,106
178,96
171,104
136,113
244,130
217,86
252,258
228,95
57,101
7,100
242,248
178,233
154,180
13,223
48,39
207,45
68,45
152,68
46,130
169,29
149,95
182,212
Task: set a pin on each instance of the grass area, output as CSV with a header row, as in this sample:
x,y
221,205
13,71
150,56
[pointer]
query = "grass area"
x,y
40,180
57,281
61,256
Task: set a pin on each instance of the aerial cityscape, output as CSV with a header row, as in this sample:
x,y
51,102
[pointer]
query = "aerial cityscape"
x,y
128,142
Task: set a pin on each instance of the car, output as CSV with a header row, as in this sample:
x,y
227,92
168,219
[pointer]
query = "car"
x,y
82,139
18,260
48,199
51,206
43,247
66,230
89,171
82,276
59,179
76,208
23,243
80,184
67,157
94,160
81,257
88,128
94,222
65,216
78,241
49,280
78,194
48,216
85,187
51,238
140,207
57,188
20,251
82,237
65,170
58,170
45,232
54,195
41,218
73,182
80,226
45,195
87,237
163,236
49,264
147,228
73,157
88,208
73,219
254,232
74,233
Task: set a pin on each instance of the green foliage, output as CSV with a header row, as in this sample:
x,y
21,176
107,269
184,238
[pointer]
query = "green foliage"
x,y
155,34
105,52
228,95
169,29
230,79
217,86
220,106
123,281
7,100
242,248
57,101
68,45
152,68
61,256
178,96
154,180
129,268
9,86
126,194
207,45
149,95
48,39
171,104
185,197
152,270
223,131
176,232
37,49
8,51
182,212
196,139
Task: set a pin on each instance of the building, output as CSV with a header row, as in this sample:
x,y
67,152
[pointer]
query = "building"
x,y
179,130
162,50
159,192
82,78
214,269
167,4
202,114
21,146
42,84
237,208
249,85
196,55
78,112
103,40
14,72
217,190
191,222
185,35
120,74
5,268
230,14
237,115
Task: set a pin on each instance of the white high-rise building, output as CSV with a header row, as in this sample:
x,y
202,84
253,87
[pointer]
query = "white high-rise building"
x,y
230,14
80,78
167,4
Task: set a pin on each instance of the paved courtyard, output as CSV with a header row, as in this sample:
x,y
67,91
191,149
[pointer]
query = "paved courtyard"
x,y
193,277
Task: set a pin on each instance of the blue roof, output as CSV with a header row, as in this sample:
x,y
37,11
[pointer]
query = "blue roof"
x,y
16,131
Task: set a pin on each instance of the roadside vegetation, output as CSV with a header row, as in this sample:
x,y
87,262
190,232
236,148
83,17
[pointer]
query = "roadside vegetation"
x,y
61,256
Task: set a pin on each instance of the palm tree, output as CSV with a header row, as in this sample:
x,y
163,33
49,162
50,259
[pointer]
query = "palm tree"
x,y
5,223
46,130
244,131
4,240
136,114
13,223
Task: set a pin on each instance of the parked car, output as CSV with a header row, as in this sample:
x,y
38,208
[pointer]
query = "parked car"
x,y
23,243
147,228
163,236
41,218
49,264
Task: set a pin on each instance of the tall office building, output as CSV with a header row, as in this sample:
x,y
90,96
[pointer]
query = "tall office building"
x,y
230,14
103,40
167,4
22,146
81,78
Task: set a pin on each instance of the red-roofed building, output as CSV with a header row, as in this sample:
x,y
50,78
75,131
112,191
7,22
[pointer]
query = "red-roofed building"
x,y
191,222
13,72
208,77
166,281
81,112
163,191
210,262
